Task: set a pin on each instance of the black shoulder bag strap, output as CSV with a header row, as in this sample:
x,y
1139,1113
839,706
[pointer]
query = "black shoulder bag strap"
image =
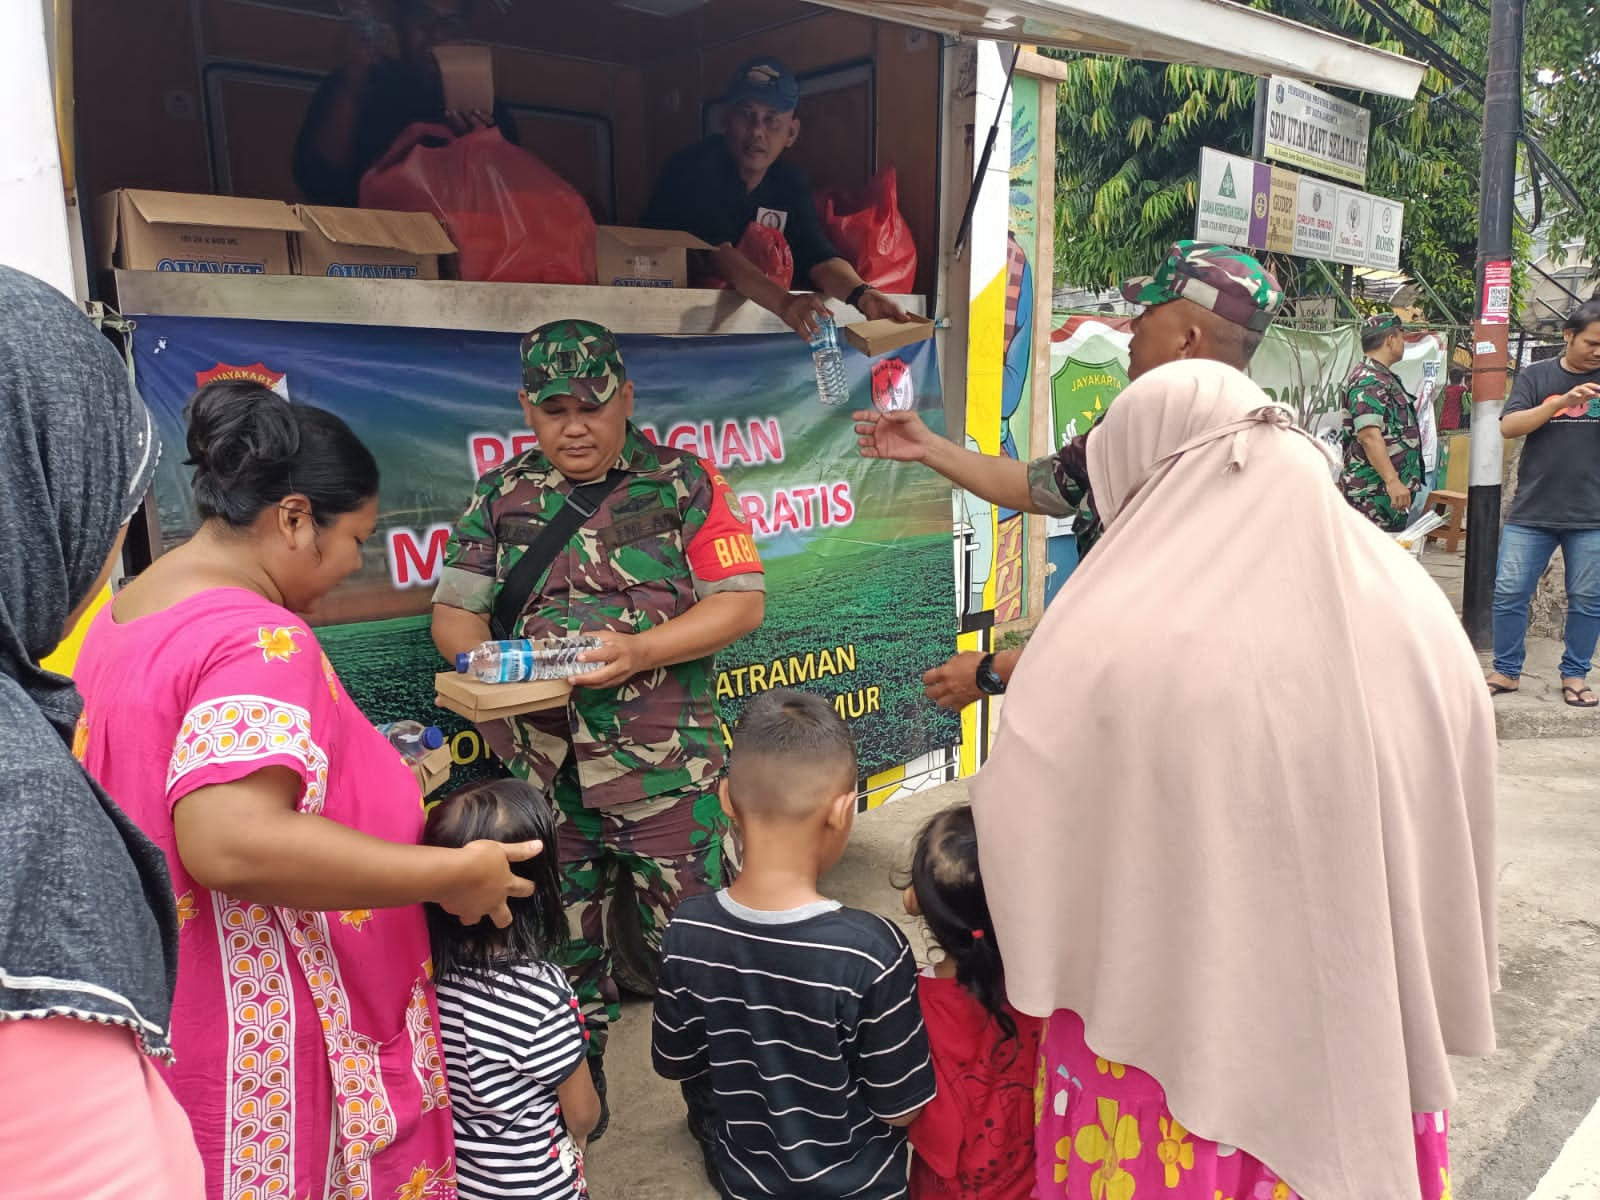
x,y
582,503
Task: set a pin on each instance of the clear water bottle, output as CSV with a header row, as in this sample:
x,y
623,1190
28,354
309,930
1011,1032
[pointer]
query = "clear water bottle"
x,y
833,386
522,661
413,739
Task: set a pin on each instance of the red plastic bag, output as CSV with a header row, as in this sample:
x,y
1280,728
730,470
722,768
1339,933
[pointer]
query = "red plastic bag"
x,y
768,251
512,218
870,234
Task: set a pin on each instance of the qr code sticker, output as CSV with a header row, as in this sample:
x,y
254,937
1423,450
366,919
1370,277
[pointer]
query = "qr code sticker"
x,y
1499,298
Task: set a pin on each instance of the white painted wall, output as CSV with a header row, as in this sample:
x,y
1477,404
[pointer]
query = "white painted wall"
x,y
34,228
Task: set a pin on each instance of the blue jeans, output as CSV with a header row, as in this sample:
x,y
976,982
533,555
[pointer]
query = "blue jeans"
x,y
1524,555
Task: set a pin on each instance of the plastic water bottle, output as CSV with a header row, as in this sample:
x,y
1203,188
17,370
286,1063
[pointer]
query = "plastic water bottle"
x,y
413,739
833,386
522,661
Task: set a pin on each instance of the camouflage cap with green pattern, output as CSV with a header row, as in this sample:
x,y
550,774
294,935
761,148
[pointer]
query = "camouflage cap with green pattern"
x,y
1226,281
572,358
1382,323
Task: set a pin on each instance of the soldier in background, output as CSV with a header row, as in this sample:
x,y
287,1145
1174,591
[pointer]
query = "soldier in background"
x,y
660,566
1383,469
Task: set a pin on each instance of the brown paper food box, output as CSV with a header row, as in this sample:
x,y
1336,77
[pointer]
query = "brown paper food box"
x,y
479,702
467,73
433,770
658,258
204,235
365,243
879,337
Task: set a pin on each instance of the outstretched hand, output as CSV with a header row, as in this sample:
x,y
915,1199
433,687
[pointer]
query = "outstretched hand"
x,y
954,684
901,436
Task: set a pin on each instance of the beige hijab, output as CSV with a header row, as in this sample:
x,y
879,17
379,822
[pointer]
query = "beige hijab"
x,y
1239,814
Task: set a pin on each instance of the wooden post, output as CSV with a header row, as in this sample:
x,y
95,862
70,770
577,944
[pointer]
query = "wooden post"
x,y
1042,425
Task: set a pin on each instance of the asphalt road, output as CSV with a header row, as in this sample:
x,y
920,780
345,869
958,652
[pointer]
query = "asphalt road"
x,y
1519,1127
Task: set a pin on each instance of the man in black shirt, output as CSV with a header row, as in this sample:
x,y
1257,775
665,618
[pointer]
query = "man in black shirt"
x,y
722,187
358,112
1555,405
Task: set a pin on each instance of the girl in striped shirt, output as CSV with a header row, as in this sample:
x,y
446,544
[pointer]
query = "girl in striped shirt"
x,y
514,1040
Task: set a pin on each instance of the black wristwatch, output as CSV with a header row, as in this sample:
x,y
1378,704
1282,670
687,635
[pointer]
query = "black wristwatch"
x,y
989,683
854,298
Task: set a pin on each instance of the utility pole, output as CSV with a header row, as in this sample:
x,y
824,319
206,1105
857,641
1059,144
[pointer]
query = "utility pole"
x,y
1502,125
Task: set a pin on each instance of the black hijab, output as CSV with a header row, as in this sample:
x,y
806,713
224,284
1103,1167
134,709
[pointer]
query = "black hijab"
x,y
88,925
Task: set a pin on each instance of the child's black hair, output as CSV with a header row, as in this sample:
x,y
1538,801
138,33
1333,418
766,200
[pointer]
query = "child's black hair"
x,y
500,810
948,885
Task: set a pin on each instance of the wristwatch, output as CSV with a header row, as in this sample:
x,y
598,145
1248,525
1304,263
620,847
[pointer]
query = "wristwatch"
x,y
854,298
989,683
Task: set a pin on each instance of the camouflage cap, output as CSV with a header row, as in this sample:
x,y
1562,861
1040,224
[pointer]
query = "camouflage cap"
x,y
572,358
1382,323
1227,281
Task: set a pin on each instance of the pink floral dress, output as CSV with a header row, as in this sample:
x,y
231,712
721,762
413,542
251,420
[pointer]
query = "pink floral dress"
x,y
307,1055
1105,1133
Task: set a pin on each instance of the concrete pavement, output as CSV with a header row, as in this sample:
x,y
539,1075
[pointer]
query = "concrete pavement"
x,y
1537,710
1517,1110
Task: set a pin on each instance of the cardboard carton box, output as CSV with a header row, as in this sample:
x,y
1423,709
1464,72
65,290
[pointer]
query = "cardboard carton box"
x,y
873,338
433,770
479,702
362,243
210,235
657,258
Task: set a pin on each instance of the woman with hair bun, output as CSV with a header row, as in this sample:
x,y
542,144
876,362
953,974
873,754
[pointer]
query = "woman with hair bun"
x,y
304,1024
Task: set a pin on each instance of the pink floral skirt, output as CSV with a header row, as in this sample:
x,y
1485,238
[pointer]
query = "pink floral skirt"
x,y
1105,1133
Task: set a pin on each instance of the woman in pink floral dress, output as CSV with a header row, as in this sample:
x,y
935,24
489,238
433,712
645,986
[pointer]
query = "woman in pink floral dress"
x,y
304,1024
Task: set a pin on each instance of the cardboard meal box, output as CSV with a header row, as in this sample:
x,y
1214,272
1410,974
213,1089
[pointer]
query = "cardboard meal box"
x,y
206,235
467,73
433,770
873,338
659,258
364,243
479,702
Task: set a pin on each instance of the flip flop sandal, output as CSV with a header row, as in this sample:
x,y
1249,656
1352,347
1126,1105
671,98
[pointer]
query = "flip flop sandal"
x,y
1574,697
1500,689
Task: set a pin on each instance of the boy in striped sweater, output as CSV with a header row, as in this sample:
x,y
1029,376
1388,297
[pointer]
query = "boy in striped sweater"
x,y
792,1021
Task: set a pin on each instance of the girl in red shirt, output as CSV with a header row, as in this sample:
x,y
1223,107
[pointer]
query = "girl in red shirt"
x,y
976,1138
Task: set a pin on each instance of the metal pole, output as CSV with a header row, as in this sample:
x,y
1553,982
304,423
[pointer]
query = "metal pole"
x,y
1502,122
1258,137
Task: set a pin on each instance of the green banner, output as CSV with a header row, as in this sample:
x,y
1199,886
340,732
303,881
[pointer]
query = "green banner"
x,y
858,553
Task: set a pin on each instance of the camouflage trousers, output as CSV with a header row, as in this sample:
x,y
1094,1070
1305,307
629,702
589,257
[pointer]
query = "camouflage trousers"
x,y
623,872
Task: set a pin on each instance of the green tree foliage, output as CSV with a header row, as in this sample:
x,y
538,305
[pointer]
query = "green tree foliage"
x,y
1562,60
1130,133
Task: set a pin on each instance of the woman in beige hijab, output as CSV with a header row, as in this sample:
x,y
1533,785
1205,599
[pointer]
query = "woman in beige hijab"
x,y
1237,827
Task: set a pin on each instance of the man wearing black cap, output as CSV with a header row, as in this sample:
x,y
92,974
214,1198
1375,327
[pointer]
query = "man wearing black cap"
x,y
1382,437
733,192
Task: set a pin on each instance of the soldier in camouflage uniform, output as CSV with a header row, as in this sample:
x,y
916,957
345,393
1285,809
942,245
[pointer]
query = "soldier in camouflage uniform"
x,y
1204,301
1382,437
665,574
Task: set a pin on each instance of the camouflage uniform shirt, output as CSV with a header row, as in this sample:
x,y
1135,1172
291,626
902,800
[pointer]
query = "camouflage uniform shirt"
x,y
1058,485
668,536
1376,399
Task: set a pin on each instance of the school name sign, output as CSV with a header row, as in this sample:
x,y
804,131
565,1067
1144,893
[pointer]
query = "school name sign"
x,y
1309,129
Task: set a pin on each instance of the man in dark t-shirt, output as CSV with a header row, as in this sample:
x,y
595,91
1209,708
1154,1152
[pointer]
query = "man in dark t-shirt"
x,y
359,112
733,191
1555,405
